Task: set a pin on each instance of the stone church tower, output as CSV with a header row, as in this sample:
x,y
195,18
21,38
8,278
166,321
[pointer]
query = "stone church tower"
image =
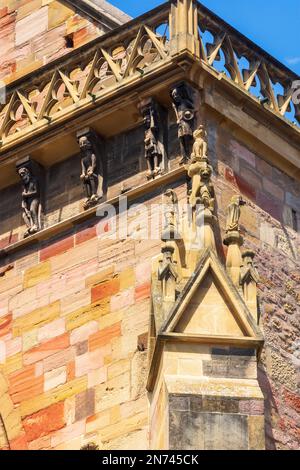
x,y
149,231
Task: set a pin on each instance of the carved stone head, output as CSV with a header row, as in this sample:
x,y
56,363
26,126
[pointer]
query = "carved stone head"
x,y
24,174
84,143
200,133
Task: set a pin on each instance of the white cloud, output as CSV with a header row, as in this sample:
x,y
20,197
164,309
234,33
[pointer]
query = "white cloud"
x,y
293,60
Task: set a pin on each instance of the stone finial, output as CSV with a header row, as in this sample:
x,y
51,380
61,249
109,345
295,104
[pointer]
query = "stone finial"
x,y
167,273
31,174
92,166
184,107
170,220
153,140
233,239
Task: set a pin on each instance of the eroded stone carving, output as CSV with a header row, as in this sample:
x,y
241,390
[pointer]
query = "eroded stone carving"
x,y
183,104
234,214
92,168
30,174
154,146
200,171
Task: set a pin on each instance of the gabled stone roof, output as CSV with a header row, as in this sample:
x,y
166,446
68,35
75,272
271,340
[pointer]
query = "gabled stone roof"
x,y
100,10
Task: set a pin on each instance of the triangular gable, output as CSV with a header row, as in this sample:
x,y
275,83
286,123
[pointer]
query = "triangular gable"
x,y
210,305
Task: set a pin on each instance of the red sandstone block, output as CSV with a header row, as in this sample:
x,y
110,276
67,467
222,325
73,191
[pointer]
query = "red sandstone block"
x,y
70,371
106,289
292,400
57,248
85,235
3,12
43,422
20,443
245,188
4,242
26,390
142,292
47,349
104,336
271,206
5,325
252,407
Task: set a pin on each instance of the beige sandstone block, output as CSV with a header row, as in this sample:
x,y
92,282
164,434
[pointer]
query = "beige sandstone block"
x,y
256,426
124,427
54,378
118,368
100,277
37,274
27,8
58,14
13,364
86,314
30,339
33,405
113,392
98,422
35,319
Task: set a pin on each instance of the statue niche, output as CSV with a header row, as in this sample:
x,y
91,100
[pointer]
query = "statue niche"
x,y
30,174
183,104
153,140
92,175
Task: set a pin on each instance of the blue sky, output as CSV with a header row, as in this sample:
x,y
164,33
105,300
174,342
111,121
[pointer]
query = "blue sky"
x,y
272,24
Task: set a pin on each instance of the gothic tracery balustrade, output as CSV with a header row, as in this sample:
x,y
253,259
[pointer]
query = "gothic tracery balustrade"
x,y
133,51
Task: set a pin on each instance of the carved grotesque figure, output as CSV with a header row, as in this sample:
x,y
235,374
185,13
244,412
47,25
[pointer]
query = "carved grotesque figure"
x,y
184,109
89,175
234,214
199,152
31,203
153,141
202,191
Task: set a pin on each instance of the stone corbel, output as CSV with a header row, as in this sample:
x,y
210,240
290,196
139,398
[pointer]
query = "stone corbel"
x,y
32,176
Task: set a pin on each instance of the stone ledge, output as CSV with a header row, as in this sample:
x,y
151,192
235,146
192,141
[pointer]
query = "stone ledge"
x,y
61,227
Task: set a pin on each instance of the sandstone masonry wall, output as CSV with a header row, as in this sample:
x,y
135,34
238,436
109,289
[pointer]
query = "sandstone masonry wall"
x,y
74,310
36,32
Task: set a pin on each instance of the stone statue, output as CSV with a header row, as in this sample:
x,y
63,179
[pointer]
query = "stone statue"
x,y
90,176
234,214
184,109
31,201
153,144
200,171
200,147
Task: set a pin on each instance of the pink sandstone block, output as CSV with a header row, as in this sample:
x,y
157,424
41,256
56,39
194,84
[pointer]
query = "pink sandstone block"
x,y
84,332
88,362
143,273
13,346
52,330
122,300
240,151
68,433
